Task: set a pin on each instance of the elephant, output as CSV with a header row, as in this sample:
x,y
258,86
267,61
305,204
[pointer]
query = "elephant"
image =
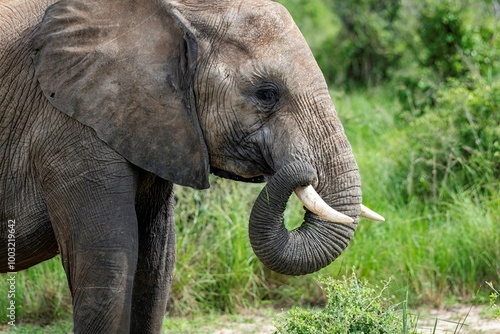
x,y
105,105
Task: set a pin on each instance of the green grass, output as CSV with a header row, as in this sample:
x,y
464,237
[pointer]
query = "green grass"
x,y
436,253
214,269
437,250
41,295
56,327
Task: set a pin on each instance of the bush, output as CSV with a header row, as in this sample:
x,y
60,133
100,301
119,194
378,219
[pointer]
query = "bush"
x,y
353,307
444,42
365,48
457,145
442,33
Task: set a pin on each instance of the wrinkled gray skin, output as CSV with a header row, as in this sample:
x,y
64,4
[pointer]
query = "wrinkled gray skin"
x,y
104,105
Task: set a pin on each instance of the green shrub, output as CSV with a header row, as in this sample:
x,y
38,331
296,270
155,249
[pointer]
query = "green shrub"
x,y
365,48
493,300
456,145
353,306
448,39
443,34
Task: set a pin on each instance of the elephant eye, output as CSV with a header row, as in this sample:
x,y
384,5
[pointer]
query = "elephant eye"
x,y
267,96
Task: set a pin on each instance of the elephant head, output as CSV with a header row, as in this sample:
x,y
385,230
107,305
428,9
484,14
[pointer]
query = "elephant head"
x,y
181,87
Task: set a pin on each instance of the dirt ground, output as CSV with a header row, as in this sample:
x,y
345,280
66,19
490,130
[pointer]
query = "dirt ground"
x,y
458,319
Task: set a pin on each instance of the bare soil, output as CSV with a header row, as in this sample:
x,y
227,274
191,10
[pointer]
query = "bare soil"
x,y
458,319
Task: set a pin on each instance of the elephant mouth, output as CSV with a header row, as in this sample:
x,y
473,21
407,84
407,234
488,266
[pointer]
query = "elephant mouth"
x,y
231,176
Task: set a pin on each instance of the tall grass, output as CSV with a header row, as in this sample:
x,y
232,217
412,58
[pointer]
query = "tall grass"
x,y
41,294
435,250
216,267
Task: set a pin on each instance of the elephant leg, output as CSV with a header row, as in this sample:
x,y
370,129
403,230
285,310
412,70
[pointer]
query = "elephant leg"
x,y
156,262
93,217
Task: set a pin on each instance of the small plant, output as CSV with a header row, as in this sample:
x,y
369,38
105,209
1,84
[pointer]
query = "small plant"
x,y
493,301
354,306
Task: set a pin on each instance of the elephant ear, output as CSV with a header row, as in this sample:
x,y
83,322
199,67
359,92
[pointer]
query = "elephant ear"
x,y
126,70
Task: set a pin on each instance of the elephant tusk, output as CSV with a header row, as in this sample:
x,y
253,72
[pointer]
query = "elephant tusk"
x,y
370,214
312,201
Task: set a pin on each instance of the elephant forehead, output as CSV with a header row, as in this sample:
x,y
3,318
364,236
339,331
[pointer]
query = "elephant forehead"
x,y
262,27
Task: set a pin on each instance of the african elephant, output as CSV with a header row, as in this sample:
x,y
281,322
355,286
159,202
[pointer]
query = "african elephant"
x,y
104,105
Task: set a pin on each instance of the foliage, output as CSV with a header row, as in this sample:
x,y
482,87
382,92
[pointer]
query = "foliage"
x,y
416,45
315,19
457,145
438,248
364,50
354,306
448,87
443,36
449,39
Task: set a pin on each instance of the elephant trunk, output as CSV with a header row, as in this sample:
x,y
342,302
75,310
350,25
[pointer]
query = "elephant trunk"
x,y
317,242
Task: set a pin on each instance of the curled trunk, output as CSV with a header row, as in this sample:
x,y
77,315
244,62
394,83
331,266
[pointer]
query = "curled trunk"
x,y
317,242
